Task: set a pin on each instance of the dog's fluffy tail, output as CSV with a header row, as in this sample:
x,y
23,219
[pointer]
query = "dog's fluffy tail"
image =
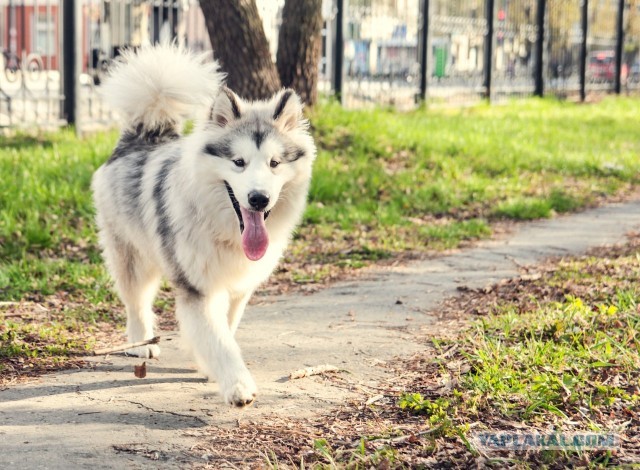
x,y
159,86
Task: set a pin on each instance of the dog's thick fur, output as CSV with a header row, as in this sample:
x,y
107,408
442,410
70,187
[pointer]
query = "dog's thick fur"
x,y
212,211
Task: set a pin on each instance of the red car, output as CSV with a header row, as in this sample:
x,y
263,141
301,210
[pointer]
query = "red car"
x,y
602,67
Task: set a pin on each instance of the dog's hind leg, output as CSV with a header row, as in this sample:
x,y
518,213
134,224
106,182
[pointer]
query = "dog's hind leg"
x,y
137,281
204,325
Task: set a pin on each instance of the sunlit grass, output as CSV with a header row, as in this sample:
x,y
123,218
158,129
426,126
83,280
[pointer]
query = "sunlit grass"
x,y
383,182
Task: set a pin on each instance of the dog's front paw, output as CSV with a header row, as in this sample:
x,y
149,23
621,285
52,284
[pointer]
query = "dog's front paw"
x,y
148,351
240,392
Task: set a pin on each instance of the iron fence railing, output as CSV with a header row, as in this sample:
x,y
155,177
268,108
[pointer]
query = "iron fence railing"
x,y
493,49
54,53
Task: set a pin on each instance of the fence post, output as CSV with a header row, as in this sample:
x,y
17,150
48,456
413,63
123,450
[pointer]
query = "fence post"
x,y
488,49
69,72
584,20
424,49
539,70
619,44
339,52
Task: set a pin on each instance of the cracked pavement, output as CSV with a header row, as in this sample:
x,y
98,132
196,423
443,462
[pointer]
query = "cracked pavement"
x,y
104,417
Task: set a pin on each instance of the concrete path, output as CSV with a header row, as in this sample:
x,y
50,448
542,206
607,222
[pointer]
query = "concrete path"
x,y
84,419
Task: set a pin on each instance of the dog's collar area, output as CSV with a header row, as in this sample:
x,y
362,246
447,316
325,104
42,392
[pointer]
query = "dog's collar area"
x,y
236,206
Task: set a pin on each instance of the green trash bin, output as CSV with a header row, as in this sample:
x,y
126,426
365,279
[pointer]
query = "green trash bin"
x,y
440,55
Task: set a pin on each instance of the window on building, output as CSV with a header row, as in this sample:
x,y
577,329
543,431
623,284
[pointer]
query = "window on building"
x,y
44,41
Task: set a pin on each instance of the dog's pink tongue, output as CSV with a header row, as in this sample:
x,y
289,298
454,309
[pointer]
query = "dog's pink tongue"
x,y
255,239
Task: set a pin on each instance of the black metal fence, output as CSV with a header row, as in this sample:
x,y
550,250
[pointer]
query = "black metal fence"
x,y
375,52
55,53
443,51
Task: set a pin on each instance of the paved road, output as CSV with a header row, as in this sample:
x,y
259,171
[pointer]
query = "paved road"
x,y
79,419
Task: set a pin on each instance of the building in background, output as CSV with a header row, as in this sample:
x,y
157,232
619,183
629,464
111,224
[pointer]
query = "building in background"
x,y
29,27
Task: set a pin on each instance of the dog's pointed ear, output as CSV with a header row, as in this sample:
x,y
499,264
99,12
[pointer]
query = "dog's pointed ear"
x,y
287,109
226,108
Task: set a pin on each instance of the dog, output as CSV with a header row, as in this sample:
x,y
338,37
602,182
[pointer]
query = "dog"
x,y
212,210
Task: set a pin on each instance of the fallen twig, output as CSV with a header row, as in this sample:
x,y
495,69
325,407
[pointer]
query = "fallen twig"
x,y
309,371
374,399
124,347
395,440
34,308
449,351
15,314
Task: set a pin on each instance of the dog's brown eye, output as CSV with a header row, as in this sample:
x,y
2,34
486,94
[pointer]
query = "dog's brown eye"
x,y
239,163
274,163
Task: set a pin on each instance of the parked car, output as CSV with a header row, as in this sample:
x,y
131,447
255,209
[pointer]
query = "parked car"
x,y
601,67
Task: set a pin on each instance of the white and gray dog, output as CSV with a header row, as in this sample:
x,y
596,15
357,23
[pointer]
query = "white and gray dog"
x,y
212,211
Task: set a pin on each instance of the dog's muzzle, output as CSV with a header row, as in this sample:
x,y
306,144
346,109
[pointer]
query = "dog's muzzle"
x,y
236,206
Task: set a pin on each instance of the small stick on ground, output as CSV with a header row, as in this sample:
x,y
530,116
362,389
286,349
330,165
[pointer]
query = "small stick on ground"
x,y
124,347
15,314
309,371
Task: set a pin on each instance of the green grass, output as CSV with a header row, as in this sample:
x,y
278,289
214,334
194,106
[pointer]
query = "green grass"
x,y
27,340
520,161
555,359
386,182
569,366
47,233
31,346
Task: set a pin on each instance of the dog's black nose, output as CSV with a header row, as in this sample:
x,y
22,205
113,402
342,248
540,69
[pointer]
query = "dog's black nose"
x,y
258,201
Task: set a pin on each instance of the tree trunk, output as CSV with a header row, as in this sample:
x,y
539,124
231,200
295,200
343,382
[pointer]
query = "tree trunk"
x,y
241,47
299,47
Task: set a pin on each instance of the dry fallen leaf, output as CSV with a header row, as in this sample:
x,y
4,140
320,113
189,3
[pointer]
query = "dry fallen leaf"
x,y
140,371
309,371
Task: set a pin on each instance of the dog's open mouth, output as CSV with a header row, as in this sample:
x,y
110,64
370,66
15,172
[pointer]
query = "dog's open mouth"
x,y
255,239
